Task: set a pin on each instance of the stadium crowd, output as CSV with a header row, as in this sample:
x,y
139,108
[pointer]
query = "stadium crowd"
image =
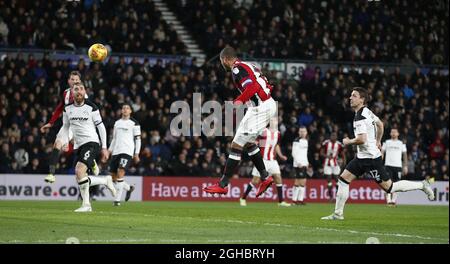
x,y
367,31
416,103
341,30
128,26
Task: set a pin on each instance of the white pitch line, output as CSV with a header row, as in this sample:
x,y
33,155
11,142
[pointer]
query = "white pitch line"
x,y
184,241
288,226
275,224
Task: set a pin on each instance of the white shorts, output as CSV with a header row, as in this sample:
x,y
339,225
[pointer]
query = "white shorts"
x,y
272,168
331,170
64,137
300,165
254,121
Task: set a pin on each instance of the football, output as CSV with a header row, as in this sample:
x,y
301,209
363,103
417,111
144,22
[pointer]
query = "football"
x,y
97,52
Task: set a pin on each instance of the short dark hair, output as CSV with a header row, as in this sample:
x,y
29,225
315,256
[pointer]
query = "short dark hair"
x,y
363,93
128,104
228,52
77,73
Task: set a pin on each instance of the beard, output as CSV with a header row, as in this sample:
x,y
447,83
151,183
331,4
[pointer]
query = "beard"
x,y
79,99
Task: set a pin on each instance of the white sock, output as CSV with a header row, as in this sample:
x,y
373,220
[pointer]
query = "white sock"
x,y
301,194
341,197
394,197
84,191
404,186
388,198
126,186
296,192
119,188
95,180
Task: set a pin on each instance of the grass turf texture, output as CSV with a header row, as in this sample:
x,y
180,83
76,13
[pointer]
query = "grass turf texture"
x,y
218,222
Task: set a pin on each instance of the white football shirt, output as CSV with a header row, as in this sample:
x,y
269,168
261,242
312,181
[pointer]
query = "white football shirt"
x,y
126,137
300,152
364,123
393,152
83,121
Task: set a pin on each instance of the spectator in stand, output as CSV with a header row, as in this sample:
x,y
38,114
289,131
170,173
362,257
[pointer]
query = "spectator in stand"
x,y
437,149
153,88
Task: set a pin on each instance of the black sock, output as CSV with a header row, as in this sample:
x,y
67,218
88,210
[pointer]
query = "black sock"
x,y
280,192
230,167
247,191
53,160
330,189
255,155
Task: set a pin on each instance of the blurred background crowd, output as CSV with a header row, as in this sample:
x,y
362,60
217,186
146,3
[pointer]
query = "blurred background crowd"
x,y
417,103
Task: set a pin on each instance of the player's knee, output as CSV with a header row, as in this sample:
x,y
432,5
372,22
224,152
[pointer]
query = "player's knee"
x,y
386,186
80,170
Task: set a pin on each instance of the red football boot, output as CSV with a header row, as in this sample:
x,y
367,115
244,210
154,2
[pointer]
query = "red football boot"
x,y
264,185
215,188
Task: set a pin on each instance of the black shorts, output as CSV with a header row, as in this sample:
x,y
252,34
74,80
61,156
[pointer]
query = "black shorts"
x,y
120,161
88,153
300,173
373,167
394,172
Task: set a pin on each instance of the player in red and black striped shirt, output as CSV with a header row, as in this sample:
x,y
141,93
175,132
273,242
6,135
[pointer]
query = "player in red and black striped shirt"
x,y
255,93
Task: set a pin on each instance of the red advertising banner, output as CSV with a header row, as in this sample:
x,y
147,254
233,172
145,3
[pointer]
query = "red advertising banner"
x,y
190,189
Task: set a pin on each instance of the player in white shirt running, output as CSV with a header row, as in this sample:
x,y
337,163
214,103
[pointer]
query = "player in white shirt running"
x,y
392,151
301,164
62,139
332,149
125,145
270,149
83,118
368,129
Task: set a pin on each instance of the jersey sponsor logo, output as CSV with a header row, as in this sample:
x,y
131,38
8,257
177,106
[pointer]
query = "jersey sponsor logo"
x,y
79,118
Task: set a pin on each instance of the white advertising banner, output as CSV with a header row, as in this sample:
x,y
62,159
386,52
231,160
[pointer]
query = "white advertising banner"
x,y
417,197
33,187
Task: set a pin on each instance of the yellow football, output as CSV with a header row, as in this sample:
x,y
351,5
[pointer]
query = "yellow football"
x,y
97,52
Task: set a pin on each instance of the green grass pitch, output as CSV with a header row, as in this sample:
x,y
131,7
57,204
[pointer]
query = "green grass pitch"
x,y
218,223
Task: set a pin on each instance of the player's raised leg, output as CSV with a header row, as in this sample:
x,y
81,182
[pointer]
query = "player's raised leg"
x,y
256,157
234,158
406,186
